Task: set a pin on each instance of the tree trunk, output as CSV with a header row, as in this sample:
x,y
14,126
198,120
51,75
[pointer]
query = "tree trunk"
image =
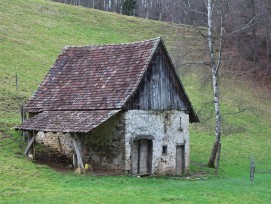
x,y
217,158
214,68
211,163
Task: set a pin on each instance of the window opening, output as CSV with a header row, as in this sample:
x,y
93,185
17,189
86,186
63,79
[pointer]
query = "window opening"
x,y
164,150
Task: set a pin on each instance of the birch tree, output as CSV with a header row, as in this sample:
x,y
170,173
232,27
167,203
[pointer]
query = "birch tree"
x,y
215,39
215,62
216,12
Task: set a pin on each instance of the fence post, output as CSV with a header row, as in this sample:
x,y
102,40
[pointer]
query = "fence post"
x,y
16,81
252,169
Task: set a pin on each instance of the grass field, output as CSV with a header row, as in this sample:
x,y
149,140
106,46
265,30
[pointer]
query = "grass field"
x,y
34,32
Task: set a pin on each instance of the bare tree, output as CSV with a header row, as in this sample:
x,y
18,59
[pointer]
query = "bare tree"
x,y
215,62
216,14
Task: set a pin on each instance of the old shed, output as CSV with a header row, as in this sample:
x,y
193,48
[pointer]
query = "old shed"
x,y
118,107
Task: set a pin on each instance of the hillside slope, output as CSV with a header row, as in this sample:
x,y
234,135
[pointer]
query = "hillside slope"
x,y
34,32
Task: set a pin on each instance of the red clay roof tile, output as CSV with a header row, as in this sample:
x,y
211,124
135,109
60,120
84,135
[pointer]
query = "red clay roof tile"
x,y
67,121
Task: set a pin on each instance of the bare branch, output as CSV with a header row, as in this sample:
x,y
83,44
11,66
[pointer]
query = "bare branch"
x,y
229,113
189,3
195,27
248,25
220,49
190,8
213,6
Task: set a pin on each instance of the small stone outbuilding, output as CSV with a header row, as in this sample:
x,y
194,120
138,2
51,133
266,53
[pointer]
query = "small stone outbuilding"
x,y
119,107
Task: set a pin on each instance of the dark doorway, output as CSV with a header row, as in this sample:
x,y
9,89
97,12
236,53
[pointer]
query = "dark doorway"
x,y
180,159
141,157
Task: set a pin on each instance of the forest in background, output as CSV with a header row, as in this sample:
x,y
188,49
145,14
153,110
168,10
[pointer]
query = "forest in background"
x,y
247,26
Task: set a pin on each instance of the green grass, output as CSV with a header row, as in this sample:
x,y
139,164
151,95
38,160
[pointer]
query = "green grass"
x,y
33,33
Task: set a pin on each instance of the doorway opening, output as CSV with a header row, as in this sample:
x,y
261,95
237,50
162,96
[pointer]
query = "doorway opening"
x,y
141,158
180,159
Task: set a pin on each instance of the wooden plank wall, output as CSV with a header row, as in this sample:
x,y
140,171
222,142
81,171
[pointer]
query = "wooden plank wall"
x,y
159,88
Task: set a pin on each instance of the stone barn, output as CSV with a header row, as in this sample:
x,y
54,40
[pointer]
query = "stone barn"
x,y
119,107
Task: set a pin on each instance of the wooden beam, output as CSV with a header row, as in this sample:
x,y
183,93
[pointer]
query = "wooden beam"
x,y
29,145
78,153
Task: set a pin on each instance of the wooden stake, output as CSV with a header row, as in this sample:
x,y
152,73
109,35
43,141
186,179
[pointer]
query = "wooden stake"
x,y
252,169
16,81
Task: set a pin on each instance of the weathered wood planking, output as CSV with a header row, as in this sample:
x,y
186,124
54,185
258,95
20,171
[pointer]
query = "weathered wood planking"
x,y
29,145
160,88
180,159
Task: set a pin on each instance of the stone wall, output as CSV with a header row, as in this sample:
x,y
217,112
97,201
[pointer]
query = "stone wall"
x,y
109,146
104,146
168,128
56,141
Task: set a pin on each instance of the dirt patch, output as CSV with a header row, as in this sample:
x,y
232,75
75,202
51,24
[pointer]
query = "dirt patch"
x,y
105,172
62,163
54,160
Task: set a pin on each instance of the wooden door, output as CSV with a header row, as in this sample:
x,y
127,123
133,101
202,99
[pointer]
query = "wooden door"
x,y
180,159
141,157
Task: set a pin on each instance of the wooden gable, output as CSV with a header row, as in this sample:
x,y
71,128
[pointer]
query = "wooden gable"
x,y
160,87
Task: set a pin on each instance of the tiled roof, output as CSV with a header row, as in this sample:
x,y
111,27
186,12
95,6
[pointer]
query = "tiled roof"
x,y
67,121
93,77
87,85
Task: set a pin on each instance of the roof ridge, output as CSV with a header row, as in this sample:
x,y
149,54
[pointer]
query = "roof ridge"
x,y
112,44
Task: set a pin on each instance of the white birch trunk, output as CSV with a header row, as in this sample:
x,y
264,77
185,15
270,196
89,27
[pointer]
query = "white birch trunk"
x,y
214,67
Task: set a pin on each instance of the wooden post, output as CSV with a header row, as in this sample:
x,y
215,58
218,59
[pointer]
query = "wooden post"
x,y
252,169
30,143
16,81
76,144
23,118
